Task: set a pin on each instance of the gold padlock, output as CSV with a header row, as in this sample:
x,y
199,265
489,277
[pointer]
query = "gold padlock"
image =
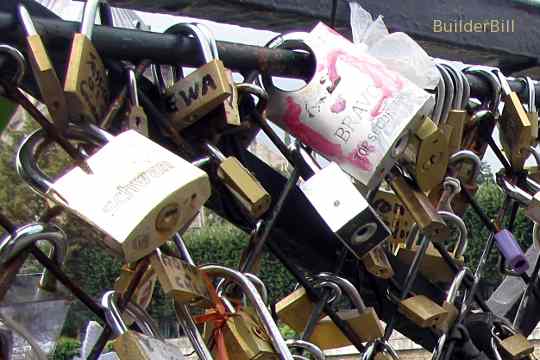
x,y
245,337
433,265
130,344
86,84
366,326
514,347
377,263
426,155
394,214
418,204
135,116
143,292
515,129
52,92
295,309
180,279
194,96
243,185
422,311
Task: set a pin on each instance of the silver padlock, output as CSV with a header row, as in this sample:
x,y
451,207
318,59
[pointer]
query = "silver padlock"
x,y
354,110
343,208
132,189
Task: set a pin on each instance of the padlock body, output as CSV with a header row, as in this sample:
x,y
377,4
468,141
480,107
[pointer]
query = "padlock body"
x,y
422,311
47,81
394,214
533,118
230,105
426,155
144,291
516,347
366,325
295,309
86,85
133,345
135,191
456,120
353,111
244,186
377,263
194,96
180,279
344,210
453,313
515,131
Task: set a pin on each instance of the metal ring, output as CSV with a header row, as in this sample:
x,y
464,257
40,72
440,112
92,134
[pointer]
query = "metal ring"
x,y
19,61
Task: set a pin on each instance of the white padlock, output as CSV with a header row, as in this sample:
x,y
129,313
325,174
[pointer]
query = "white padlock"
x,y
132,189
353,110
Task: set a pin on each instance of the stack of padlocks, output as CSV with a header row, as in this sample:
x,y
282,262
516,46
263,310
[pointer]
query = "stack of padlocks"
x,y
402,171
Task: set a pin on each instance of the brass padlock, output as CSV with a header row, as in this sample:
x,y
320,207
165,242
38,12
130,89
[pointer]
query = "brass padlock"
x,y
429,221
426,155
243,185
377,263
52,92
194,96
135,116
515,129
433,266
422,311
135,191
515,346
394,214
180,279
130,344
295,309
143,292
86,84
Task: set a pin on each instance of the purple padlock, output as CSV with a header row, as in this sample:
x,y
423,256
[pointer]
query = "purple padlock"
x,y
510,249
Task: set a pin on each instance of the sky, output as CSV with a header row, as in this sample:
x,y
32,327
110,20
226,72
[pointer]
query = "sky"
x,y
71,10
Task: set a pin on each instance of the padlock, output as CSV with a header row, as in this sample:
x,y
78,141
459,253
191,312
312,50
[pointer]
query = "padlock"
x,y
142,296
532,112
433,265
353,110
130,344
515,346
426,155
194,96
52,92
363,320
180,279
134,190
86,84
422,311
135,115
532,202
511,251
377,263
295,309
418,204
344,209
515,129
260,313
394,214
241,183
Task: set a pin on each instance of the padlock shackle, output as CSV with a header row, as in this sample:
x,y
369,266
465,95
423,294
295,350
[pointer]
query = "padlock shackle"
x,y
456,285
31,147
347,287
209,35
466,155
335,289
259,284
26,20
313,349
251,292
463,240
440,94
466,90
112,314
199,34
493,81
12,245
214,152
143,320
512,191
132,87
20,63
458,85
89,17
258,91
449,92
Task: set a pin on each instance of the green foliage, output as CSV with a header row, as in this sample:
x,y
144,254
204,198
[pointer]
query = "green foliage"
x,y
66,349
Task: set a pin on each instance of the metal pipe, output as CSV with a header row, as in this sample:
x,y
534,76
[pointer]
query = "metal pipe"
x,y
135,45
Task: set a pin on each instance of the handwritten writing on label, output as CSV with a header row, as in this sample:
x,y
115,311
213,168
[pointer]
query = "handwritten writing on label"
x,y
190,93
